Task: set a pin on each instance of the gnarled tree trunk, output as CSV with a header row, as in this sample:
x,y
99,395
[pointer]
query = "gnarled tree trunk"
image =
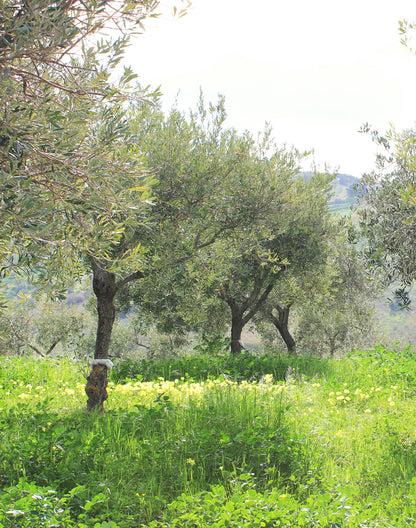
x,y
244,310
105,289
282,325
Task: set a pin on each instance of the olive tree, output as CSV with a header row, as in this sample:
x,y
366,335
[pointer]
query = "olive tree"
x,y
72,179
388,213
291,239
388,203
45,328
209,193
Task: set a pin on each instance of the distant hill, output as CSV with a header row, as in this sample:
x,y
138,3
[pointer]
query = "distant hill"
x,y
344,193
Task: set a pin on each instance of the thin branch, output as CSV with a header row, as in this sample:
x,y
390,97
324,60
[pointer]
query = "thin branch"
x,y
258,282
23,340
53,345
27,74
36,350
209,242
142,345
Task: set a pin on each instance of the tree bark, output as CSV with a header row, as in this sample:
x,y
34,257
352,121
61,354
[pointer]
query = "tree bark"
x,y
105,289
282,325
332,339
96,388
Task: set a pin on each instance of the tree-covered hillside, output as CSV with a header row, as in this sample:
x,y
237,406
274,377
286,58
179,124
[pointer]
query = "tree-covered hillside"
x,y
344,193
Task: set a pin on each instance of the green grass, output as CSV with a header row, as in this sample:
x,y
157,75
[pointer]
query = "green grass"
x,y
322,444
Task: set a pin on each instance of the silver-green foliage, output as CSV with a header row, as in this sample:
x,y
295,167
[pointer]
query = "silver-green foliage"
x,y
70,177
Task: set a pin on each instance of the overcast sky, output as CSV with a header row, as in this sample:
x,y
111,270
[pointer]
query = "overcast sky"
x,y
316,70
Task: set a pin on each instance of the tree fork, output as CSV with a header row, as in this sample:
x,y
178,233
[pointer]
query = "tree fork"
x,y
282,325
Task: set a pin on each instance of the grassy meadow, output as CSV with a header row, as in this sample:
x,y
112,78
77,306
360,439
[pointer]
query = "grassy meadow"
x,y
266,441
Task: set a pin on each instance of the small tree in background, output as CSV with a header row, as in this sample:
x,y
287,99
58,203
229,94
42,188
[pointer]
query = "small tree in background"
x,y
276,315
46,328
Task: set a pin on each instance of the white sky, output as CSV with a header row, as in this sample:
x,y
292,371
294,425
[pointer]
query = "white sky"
x,y
316,70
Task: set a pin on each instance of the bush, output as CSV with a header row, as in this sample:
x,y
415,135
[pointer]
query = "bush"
x,y
27,505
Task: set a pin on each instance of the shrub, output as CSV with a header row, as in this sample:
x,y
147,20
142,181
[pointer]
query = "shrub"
x,y
27,505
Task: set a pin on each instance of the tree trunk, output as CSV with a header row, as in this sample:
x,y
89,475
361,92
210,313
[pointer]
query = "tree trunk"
x,y
242,312
237,326
105,289
332,339
282,323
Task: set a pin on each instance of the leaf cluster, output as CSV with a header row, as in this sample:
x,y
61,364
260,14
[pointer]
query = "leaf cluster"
x,y
70,175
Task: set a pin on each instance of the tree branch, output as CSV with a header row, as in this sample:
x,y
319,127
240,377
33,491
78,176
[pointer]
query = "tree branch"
x,y
53,346
130,278
259,280
201,245
36,350
23,340
258,304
